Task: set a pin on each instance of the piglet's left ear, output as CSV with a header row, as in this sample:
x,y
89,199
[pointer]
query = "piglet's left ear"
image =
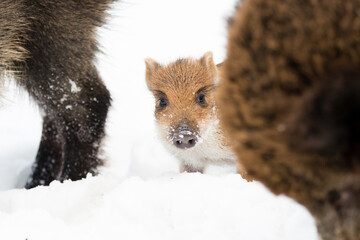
x,y
207,61
151,66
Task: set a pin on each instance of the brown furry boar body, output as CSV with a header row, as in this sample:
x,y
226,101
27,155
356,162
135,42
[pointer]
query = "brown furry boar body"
x,y
186,114
49,47
290,102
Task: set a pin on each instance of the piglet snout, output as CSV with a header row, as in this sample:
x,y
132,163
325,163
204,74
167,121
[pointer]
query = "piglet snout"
x,y
184,139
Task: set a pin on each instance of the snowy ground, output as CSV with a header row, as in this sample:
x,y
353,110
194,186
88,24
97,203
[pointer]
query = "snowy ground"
x,y
140,194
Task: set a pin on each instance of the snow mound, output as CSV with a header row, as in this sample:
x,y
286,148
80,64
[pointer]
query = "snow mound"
x,y
175,206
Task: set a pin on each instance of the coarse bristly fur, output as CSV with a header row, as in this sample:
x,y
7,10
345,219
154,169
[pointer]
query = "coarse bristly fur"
x,y
49,47
186,112
290,102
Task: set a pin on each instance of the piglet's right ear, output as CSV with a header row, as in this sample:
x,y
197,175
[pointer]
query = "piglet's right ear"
x,y
151,66
208,62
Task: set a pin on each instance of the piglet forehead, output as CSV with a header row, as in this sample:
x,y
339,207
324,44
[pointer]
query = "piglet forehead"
x,y
182,74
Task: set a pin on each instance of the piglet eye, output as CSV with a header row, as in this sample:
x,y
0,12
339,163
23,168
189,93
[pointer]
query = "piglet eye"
x,y
200,99
163,102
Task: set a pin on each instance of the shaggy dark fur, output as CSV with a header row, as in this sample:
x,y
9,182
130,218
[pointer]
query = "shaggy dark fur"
x,y
290,102
50,47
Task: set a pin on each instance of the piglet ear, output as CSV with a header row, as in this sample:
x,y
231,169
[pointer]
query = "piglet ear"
x,y
208,62
151,66
207,59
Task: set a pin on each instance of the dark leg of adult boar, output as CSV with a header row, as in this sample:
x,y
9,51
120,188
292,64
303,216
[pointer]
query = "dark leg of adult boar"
x,y
60,75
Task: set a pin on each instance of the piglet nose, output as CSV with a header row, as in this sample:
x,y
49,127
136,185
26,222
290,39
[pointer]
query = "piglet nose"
x,y
184,139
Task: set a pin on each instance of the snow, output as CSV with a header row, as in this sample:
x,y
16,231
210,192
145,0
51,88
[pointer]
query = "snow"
x,y
74,87
139,194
